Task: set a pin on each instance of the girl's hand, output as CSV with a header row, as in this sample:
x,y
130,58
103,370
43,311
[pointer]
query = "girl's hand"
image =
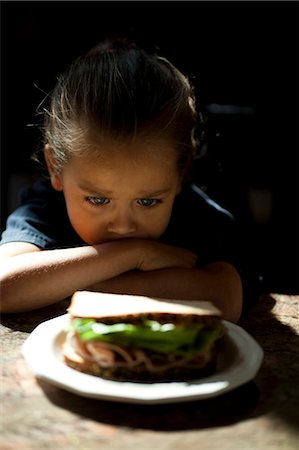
x,y
154,255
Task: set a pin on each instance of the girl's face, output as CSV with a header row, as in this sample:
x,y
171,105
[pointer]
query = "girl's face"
x,y
126,193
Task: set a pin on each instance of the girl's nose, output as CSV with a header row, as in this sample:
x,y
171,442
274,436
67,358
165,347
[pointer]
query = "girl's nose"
x,y
122,224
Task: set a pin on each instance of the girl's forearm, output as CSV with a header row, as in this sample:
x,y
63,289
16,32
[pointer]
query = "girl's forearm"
x,y
33,280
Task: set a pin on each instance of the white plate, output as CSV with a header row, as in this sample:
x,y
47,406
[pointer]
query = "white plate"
x,y
239,361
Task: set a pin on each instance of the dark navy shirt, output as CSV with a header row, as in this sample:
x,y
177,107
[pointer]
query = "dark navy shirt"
x,y
197,223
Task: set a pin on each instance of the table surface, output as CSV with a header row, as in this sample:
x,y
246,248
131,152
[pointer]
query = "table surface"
x,y
260,415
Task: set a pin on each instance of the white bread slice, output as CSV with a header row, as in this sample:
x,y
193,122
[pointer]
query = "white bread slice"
x,y
103,305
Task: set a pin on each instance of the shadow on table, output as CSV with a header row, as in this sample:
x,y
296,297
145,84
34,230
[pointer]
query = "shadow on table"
x,y
277,379
27,321
224,410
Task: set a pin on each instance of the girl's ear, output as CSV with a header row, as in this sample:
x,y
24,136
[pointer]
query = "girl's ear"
x,y
56,179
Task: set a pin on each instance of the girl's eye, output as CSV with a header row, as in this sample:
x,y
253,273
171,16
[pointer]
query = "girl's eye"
x,y
97,201
148,202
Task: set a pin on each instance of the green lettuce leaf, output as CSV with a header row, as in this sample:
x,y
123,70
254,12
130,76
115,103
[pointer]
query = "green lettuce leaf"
x,y
151,335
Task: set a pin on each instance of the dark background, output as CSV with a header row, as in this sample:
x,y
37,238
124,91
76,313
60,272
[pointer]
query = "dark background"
x,y
242,60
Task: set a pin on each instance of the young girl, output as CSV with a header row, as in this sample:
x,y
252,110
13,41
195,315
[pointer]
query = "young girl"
x,y
117,214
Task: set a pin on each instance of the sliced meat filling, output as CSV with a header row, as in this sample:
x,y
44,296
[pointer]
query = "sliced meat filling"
x,y
107,355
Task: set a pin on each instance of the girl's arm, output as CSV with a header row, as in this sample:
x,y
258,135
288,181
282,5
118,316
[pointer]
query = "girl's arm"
x,y
217,282
31,278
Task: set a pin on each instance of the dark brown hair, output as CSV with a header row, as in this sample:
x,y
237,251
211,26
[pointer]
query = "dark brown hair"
x,y
119,91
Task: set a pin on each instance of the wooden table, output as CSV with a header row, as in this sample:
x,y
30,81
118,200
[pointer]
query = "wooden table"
x,y
260,415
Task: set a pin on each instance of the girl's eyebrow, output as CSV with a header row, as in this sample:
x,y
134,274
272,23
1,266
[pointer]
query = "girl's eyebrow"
x,y
155,193
85,186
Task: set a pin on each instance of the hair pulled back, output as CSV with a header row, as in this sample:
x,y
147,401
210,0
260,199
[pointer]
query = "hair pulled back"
x,y
119,91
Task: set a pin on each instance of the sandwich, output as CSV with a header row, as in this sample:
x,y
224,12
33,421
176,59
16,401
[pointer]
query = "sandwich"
x,y
141,339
